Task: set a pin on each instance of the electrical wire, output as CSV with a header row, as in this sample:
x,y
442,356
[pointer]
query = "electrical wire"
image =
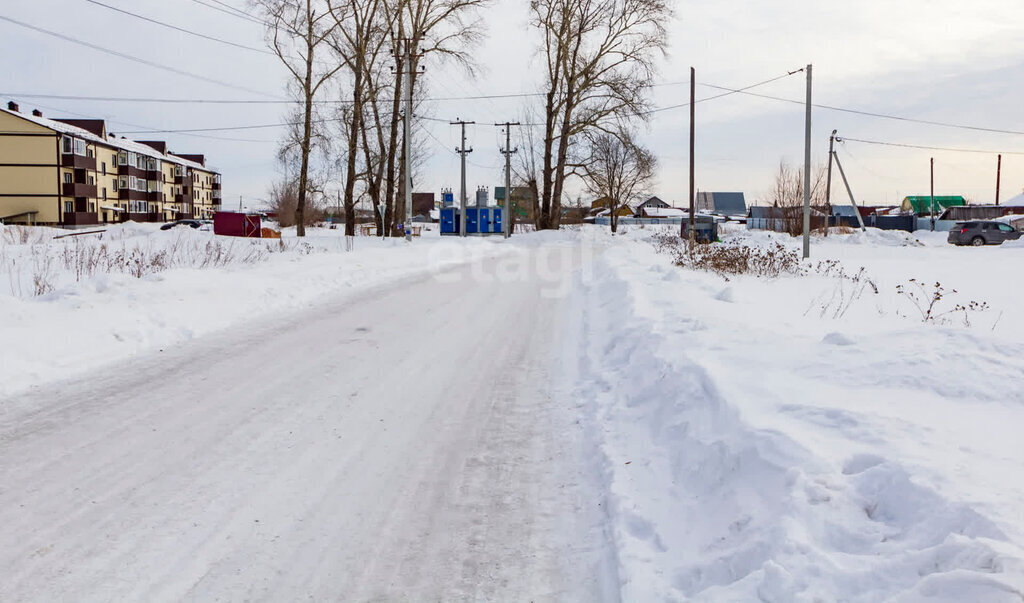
x,y
234,12
928,148
717,96
870,113
181,29
130,57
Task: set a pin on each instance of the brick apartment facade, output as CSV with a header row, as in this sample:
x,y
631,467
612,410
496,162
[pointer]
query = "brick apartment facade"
x,y
73,173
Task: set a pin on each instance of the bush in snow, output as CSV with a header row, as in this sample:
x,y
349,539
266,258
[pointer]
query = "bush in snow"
x,y
732,259
928,301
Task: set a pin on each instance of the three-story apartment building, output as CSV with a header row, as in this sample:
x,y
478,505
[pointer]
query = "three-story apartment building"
x,y
72,173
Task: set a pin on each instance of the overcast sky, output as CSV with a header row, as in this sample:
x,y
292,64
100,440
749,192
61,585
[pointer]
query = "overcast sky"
x,y
940,60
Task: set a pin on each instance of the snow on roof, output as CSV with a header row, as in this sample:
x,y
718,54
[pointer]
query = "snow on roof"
x,y
1017,201
663,212
111,141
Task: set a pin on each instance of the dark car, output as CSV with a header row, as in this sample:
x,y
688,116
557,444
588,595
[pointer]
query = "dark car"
x,y
982,233
189,223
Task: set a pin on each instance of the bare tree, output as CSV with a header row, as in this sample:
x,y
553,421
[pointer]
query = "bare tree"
x,y
297,32
618,169
787,194
362,34
599,62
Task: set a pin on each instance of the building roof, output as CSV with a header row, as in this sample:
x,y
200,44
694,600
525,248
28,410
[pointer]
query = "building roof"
x,y
68,127
663,212
1017,201
729,204
921,204
653,200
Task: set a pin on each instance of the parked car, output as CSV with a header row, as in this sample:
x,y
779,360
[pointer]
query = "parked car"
x,y
190,223
982,233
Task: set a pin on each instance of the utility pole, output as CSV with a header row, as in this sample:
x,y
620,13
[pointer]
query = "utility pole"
x,y
849,191
931,205
408,142
999,174
807,170
463,151
693,103
828,179
508,151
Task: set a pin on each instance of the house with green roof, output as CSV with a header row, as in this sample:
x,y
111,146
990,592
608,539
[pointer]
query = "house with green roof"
x,y
921,204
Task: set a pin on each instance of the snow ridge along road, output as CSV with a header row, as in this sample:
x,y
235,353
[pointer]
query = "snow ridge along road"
x,y
370,449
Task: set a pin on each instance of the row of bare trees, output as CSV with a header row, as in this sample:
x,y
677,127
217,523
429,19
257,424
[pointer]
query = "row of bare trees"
x,y
599,60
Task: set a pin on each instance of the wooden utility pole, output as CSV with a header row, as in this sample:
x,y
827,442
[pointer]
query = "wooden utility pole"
x,y
999,173
693,103
931,205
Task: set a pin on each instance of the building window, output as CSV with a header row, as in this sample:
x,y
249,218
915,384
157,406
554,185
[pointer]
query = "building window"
x,y
104,193
80,147
92,207
90,154
92,181
67,145
113,159
68,178
69,207
122,158
103,167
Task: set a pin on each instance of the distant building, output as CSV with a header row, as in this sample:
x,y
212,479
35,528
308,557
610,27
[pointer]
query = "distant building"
x,y
652,203
602,206
422,204
723,204
523,201
74,173
922,204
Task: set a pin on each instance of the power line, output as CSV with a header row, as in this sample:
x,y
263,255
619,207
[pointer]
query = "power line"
x,y
928,148
130,57
181,29
729,93
870,113
234,12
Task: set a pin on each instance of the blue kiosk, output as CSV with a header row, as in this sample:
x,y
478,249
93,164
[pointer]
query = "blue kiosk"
x,y
480,221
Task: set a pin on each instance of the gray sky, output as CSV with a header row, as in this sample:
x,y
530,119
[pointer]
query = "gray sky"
x,y
941,60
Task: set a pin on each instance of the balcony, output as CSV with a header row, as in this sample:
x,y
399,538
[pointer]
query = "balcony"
x,y
75,189
142,217
131,170
78,162
81,218
125,194
155,196
216,186
216,194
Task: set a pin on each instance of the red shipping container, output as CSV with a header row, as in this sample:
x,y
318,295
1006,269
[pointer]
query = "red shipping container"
x,y
233,224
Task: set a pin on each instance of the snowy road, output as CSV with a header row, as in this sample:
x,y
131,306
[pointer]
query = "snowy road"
x,y
386,447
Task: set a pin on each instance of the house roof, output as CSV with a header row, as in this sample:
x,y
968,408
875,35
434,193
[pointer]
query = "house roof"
x,y
922,203
730,204
652,200
1017,201
663,212
68,127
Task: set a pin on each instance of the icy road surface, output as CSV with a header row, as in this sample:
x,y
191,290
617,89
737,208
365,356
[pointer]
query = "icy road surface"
x,y
412,443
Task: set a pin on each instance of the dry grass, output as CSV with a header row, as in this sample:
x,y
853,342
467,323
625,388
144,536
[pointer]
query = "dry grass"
x,y
731,259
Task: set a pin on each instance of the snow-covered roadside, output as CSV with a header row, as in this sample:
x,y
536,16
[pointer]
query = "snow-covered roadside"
x,y
98,323
760,445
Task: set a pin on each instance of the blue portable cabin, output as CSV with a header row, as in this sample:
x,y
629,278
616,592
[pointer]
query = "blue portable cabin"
x,y
497,221
472,220
484,226
449,221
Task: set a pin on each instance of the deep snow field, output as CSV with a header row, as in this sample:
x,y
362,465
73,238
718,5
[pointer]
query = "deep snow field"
x,y
801,438
804,438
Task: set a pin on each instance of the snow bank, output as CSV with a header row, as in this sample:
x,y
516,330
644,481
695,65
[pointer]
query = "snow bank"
x,y
97,321
756,450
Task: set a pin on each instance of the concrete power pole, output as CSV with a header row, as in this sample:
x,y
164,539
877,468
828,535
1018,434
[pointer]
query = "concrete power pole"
x,y
828,178
693,130
508,151
463,151
807,170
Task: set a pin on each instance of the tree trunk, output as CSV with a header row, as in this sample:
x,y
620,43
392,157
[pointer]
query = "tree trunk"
x,y
353,148
307,136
